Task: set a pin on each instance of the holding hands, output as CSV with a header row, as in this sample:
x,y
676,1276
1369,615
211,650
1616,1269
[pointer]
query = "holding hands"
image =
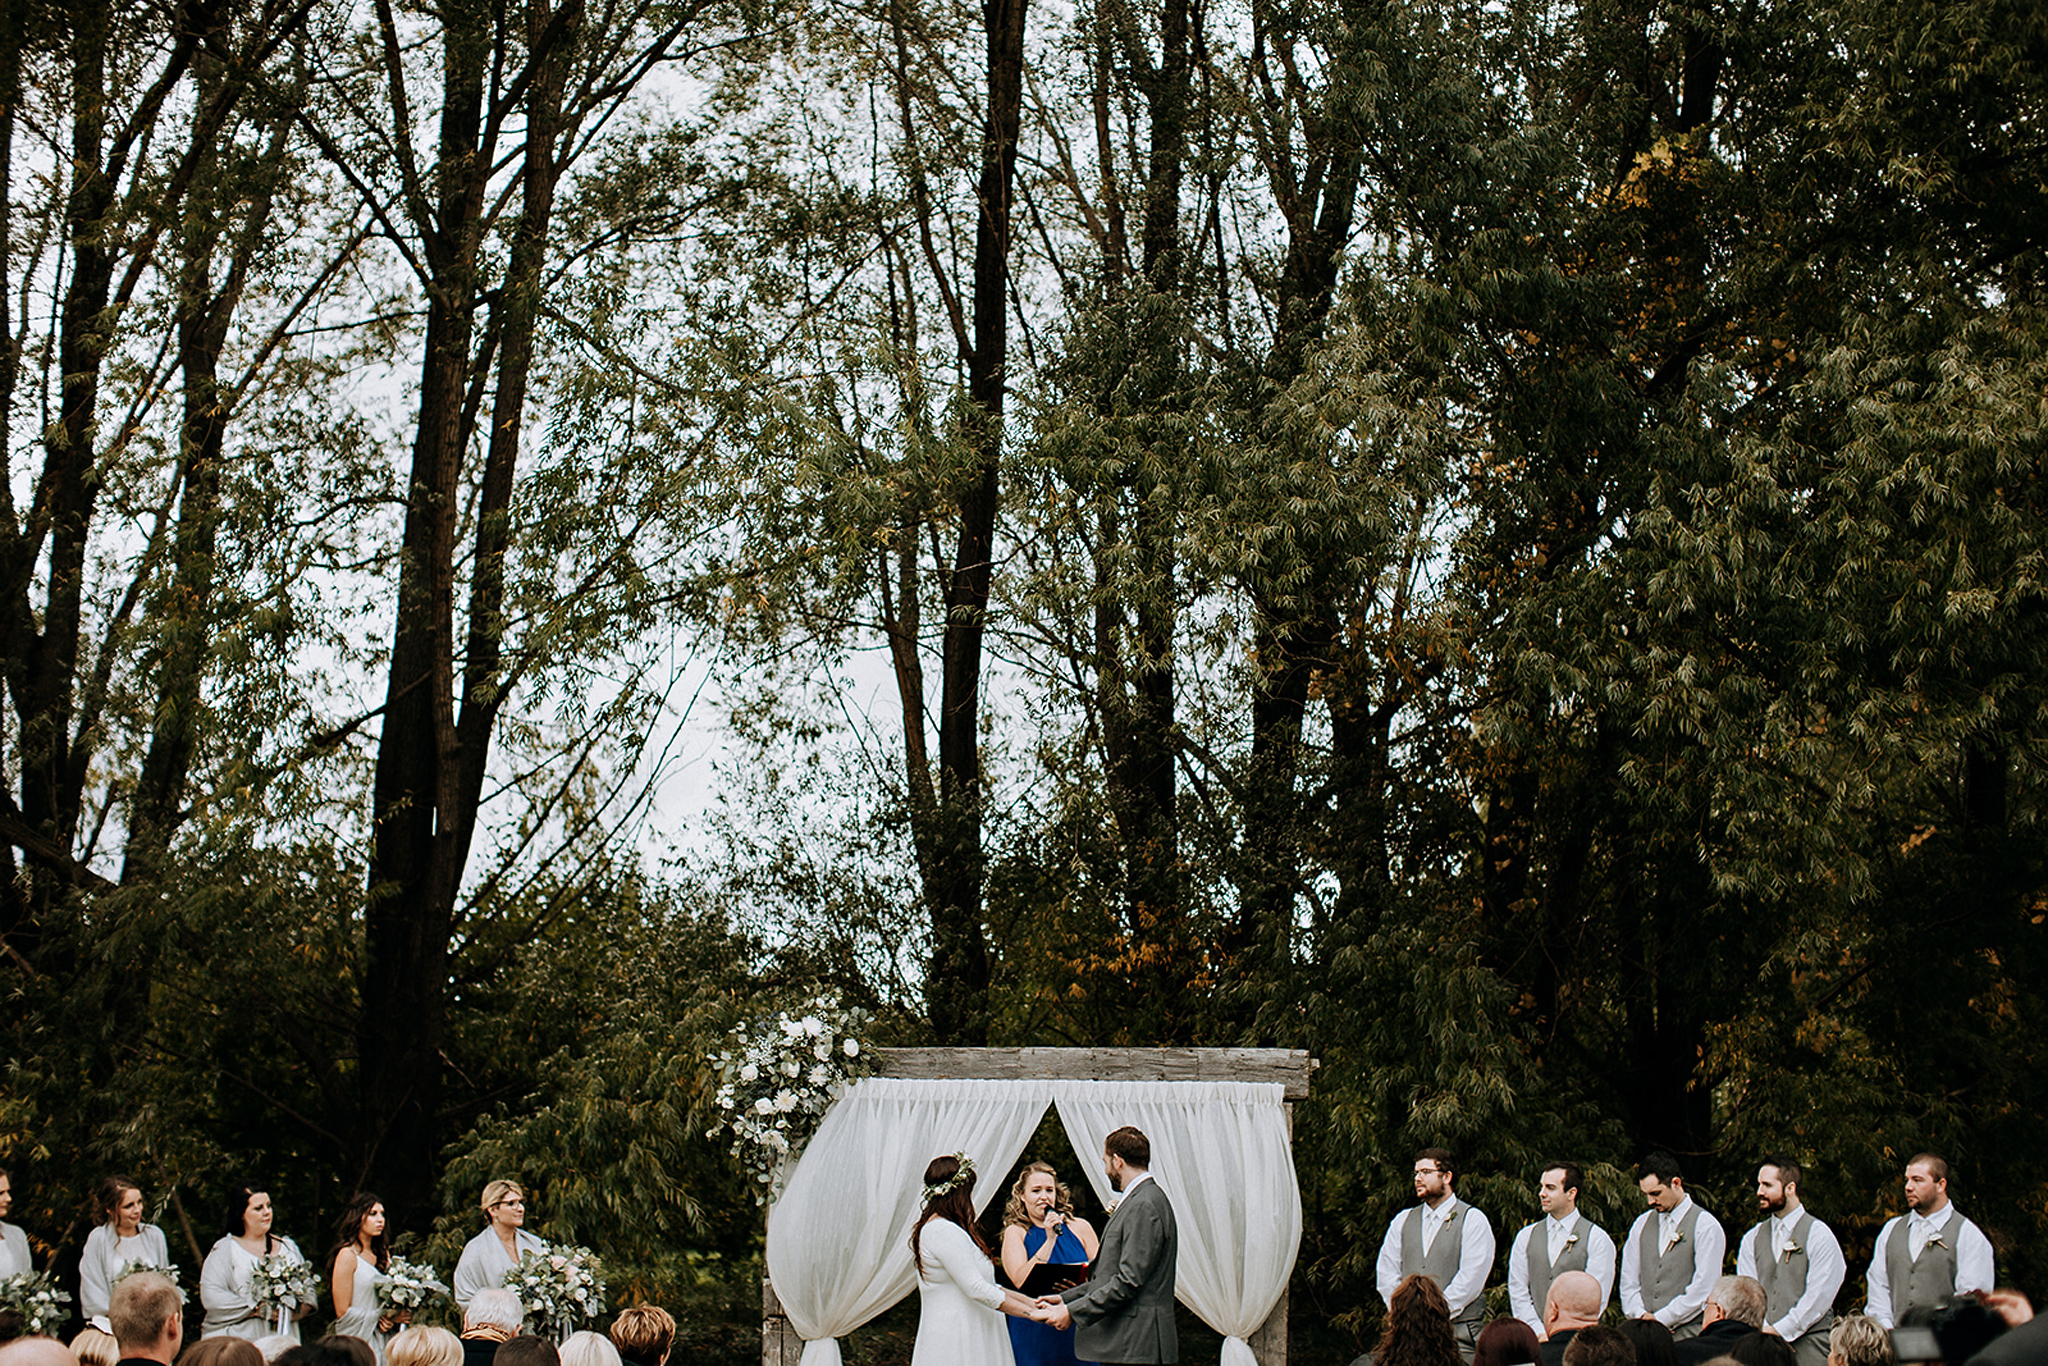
x,y
1052,1311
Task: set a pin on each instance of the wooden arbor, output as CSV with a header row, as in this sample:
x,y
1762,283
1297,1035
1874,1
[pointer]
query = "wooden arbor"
x,y
780,1345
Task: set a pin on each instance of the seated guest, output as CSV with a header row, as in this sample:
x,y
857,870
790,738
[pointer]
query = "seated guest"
x,y
1572,1305
1762,1349
93,1347
326,1352
425,1347
1418,1331
494,1317
645,1333
35,1351
274,1345
589,1349
222,1351
527,1350
148,1314
1597,1345
1506,1342
359,1349
1859,1340
1734,1309
1652,1340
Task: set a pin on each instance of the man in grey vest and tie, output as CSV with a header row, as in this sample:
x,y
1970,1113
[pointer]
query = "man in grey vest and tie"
x,y
1563,1240
1673,1253
1444,1239
1797,1261
1928,1253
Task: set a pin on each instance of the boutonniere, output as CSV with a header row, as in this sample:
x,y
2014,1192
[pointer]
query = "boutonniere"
x,y
1570,1238
1677,1237
1789,1249
1934,1240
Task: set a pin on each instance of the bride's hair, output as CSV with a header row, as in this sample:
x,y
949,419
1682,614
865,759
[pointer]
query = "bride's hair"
x,y
957,1204
1062,1198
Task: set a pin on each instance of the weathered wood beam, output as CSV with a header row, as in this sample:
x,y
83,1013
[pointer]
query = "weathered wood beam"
x,y
1291,1067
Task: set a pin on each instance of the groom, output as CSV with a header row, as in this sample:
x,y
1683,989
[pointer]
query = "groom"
x,y
1125,1311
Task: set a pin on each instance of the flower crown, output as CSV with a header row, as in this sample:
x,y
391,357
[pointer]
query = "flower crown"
x,y
952,1183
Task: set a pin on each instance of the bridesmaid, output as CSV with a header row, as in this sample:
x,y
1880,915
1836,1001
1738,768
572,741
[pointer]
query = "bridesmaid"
x,y
14,1254
488,1256
224,1289
1039,1227
119,1238
358,1272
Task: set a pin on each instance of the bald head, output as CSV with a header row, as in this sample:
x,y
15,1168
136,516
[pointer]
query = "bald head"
x,y
1573,1302
36,1352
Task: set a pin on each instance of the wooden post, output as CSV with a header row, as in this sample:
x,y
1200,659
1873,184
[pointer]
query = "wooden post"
x,y
780,1345
1269,1343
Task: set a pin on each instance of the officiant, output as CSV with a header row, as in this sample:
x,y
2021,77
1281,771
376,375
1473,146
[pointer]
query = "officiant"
x,y
1042,1239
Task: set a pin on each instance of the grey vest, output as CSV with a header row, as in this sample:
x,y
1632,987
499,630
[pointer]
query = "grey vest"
x,y
1441,1265
1662,1275
1783,1279
1925,1283
1541,1269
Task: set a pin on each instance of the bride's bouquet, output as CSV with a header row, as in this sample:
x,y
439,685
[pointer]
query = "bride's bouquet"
x,y
409,1286
778,1080
33,1298
561,1287
280,1284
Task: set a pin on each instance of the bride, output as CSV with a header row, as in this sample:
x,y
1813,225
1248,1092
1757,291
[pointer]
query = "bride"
x,y
958,1324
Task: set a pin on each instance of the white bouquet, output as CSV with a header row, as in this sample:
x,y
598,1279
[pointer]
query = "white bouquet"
x,y
777,1081
409,1286
561,1287
33,1297
128,1269
281,1283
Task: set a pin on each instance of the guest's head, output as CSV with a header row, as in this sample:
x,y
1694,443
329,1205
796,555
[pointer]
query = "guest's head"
x,y
644,1334
1506,1342
1036,1190
36,1351
224,1350
249,1214
1734,1297
493,1313
504,1203
1599,1346
1762,1349
589,1349
326,1352
1652,1341
424,1347
1573,1302
273,1346
359,1351
1418,1331
119,1202
148,1313
526,1350
1859,1340
93,1347
1126,1154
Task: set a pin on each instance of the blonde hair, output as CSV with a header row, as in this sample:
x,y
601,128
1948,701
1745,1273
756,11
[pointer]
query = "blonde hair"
x,y
1858,1340
424,1347
587,1349
645,1332
498,1192
95,1348
1062,1198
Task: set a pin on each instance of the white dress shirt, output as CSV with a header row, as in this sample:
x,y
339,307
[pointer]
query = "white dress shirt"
x,y
1709,1246
1976,1267
1475,1252
1557,1233
1826,1268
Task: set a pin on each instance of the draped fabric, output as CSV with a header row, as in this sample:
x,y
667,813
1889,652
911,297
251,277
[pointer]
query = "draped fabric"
x,y
839,1234
1222,1153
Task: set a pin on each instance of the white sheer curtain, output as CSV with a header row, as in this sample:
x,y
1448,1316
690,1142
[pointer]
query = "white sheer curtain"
x,y
1221,1152
839,1236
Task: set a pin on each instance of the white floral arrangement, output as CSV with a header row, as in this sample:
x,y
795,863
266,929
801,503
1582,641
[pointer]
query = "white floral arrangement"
x,y
561,1287
279,1284
127,1269
777,1081
409,1286
33,1297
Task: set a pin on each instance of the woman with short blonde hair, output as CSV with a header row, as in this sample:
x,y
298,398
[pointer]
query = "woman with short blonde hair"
x,y
1859,1340
589,1349
95,1347
424,1347
644,1334
496,1250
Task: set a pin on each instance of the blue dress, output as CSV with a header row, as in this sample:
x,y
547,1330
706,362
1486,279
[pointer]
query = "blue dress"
x,y
1040,1344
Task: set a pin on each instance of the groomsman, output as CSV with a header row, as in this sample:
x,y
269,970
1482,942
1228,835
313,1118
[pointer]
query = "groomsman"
x,y
1445,1239
1563,1240
1929,1253
1673,1252
1797,1261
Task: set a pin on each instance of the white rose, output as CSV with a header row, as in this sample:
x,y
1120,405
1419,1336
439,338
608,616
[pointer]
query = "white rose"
x,y
813,1026
822,1051
749,1072
791,1028
852,1048
764,1106
790,1067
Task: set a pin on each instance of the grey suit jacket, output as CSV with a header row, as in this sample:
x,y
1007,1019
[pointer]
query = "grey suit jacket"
x,y
1125,1311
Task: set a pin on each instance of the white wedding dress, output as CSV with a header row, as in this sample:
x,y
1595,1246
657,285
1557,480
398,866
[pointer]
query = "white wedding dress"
x,y
961,1323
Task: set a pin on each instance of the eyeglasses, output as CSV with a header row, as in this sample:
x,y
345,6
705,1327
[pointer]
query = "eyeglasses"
x,y
1429,1171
